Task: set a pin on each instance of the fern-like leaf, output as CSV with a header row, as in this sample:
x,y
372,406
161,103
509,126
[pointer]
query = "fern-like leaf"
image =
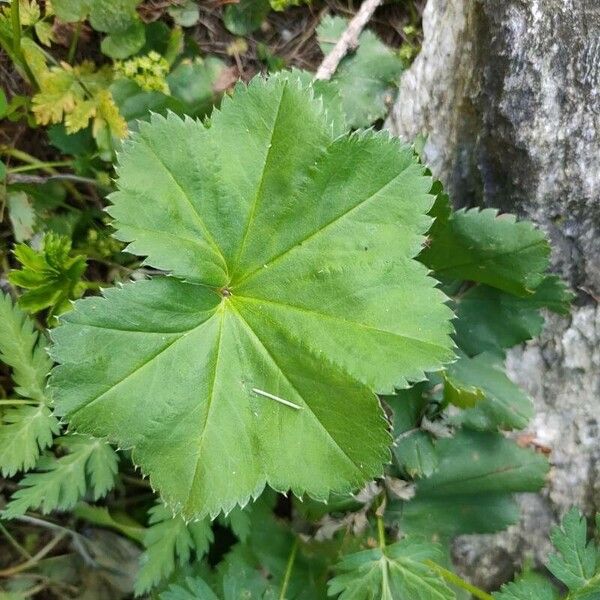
x,y
577,562
25,430
89,466
530,586
21,348
170,540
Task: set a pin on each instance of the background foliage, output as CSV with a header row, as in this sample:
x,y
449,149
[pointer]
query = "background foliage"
x,y
78,519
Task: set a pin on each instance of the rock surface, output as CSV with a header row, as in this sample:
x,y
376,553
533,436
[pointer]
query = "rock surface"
x,y
508,94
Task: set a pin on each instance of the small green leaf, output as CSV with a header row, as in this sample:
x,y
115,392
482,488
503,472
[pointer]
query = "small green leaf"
x,y
366,80
474,462
483,246
185,14
112,16
70,11
470,490
135,104
460,393
245,16
413,448
74,144
516,319
169,540
192,83
554,294
123,44
44,32
499,403
397,572
444,517
21,214
51,276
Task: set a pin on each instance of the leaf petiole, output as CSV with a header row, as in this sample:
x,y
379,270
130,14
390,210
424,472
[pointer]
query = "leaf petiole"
x,y
16,402
454,579
288,570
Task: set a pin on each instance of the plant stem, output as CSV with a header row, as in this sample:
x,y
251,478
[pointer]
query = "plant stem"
x,y
74,41
288,570
17,52
15,19
454,579
16,402
27,158
13,542
34,559
40,165
381,532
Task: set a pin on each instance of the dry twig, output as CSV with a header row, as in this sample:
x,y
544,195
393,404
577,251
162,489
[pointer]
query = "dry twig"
x,y
348,41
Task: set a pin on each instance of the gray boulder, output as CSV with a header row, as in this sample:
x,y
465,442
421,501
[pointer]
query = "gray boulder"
x,y
508,94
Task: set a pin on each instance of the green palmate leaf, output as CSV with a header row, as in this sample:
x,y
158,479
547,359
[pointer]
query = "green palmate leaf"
x,y
530,586
470,490
170,540
577,563
24,432
302,298
396,572
482,246
366,80
498,402
90,466
515,320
